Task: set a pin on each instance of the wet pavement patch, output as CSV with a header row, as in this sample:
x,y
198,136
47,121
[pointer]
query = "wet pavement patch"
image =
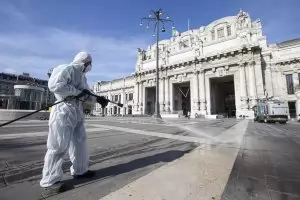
x,y
266,167
283,186
242,188
279,196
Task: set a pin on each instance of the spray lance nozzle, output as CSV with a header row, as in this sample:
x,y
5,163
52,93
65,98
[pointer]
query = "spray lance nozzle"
x,y
118,104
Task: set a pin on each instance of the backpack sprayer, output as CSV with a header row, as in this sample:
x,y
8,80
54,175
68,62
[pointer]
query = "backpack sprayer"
x,y
47,107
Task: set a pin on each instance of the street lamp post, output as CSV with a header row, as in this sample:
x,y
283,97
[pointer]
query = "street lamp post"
x,y
157,17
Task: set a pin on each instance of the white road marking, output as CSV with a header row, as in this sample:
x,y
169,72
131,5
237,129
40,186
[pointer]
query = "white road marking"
x,y
156,134
167,123
225,137
41,133
131,122
25,121
25,125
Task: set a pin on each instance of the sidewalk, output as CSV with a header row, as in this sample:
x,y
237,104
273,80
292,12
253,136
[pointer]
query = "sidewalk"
x,y
195,176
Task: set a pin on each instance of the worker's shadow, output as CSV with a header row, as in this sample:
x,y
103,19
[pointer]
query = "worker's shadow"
x,y
127,167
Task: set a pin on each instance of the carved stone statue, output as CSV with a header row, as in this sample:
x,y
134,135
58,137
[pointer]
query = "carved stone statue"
x,y
243,20
140,55
198,45
164,56
140,59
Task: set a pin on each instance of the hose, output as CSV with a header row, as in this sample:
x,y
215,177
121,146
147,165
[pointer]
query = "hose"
x,y
47,107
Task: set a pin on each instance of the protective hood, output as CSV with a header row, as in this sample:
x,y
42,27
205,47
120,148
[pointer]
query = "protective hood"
x,y
80,59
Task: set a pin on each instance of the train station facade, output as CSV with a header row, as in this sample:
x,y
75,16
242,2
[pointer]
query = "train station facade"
x,y
223,68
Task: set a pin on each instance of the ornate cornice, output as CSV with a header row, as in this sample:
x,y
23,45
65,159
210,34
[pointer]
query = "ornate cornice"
x,y
245,50
288,61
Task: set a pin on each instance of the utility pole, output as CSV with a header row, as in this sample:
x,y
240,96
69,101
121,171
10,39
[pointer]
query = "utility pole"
x,y
157,17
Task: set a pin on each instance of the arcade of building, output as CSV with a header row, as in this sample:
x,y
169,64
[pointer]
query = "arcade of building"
x,y
220,69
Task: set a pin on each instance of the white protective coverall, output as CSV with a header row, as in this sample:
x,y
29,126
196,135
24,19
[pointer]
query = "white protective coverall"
x,y
66,122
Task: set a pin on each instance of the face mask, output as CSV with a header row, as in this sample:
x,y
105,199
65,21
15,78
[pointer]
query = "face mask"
x,y
88,68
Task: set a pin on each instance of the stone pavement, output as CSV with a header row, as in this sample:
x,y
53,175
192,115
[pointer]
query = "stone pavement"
x,y
268,164
120,153
201,174
243,160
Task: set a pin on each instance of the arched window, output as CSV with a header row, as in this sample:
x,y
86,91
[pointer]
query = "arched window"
x,y
229,30
213,34
220,32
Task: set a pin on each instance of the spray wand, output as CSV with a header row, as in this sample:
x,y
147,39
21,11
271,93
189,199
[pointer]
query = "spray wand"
x,y
47,107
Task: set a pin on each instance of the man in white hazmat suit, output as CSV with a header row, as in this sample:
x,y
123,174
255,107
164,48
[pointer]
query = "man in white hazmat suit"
x,y
66,123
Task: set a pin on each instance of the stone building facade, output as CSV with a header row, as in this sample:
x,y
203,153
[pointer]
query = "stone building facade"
x,y
223,68
24,92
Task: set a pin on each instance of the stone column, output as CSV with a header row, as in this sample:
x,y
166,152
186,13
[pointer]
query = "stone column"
x,y
295,76
141,98
252,86
243,89
297,93
258,79
202,92
42,99
167,94
8,103
123,101
30,99
136,98
277,80
171,96
195,92
269,82
161,94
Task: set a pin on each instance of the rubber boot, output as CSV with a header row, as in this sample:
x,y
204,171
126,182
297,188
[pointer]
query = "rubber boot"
x,y
54,189
88,174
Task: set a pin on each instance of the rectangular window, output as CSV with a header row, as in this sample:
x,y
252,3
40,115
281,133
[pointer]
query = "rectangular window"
x,y
220,32
129,110
290,84
130,96
299,78
213,35
126,97
228,30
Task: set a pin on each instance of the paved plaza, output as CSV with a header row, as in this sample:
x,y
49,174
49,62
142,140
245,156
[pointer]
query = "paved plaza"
x,y
141,158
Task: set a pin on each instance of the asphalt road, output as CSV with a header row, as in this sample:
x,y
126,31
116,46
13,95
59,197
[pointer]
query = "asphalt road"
x,y
118,155
267,166
124,149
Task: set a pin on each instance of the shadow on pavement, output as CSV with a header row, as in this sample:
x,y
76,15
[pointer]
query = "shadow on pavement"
x,y
129,166
32,191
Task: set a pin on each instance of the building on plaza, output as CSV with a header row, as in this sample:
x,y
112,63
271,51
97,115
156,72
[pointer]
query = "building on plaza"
x,y
223,68
23,92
